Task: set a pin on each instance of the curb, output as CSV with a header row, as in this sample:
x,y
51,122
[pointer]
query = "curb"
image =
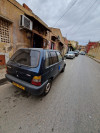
x,y
94,59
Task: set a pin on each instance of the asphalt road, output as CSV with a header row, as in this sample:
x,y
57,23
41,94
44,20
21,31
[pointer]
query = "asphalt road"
x,y
72,106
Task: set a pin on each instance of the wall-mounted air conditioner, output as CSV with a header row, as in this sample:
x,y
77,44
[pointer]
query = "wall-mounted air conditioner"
x,y
25,23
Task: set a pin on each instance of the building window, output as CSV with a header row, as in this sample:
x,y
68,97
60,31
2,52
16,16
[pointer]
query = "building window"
x,y
4,31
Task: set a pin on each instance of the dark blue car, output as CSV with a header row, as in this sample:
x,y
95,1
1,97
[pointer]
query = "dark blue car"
x,y
34,69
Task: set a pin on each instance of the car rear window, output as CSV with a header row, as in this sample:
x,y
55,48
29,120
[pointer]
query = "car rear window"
x,y
26,57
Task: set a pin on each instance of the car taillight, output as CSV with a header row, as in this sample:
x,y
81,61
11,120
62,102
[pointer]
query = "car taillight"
x,y
36,80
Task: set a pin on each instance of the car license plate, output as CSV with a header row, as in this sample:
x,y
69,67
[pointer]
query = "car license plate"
x,y
19,86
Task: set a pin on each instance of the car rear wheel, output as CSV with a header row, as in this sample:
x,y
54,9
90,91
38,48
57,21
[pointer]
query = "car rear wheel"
x,y
63,69
47,88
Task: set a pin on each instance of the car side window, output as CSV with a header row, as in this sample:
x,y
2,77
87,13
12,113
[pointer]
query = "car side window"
x,y
59,56
50,59
46,59
54,57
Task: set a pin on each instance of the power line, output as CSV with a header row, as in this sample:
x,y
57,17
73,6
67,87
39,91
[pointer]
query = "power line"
x,y
85,14
65,12
81,11
90,32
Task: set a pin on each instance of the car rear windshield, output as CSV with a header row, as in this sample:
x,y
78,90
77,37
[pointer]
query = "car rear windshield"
x,y
70,52
26,57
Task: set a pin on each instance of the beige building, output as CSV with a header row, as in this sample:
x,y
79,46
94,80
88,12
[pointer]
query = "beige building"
x,y
72,45
82,48
57,41
19,28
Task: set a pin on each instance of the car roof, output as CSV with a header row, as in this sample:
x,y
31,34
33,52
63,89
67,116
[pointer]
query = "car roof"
x,y
39,49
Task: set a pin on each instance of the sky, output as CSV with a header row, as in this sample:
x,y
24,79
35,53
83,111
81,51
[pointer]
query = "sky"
x,y
78,20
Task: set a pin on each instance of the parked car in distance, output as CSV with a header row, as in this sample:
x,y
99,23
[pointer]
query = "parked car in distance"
x,y
34,69
76,53
82,53
70,55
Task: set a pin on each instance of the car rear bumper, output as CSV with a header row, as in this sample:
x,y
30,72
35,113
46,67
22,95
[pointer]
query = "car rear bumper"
x,y
34,90
69,57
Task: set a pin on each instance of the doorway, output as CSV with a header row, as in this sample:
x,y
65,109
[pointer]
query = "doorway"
x,y
37,41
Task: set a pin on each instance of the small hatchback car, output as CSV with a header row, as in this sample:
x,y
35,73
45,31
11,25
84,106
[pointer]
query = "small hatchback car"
x,y
34,69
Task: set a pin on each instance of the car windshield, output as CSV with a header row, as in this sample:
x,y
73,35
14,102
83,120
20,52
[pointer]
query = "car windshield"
x,y
26,57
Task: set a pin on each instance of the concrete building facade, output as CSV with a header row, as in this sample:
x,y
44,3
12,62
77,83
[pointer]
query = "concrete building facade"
x,y
93,49
72,45
57,41
20,28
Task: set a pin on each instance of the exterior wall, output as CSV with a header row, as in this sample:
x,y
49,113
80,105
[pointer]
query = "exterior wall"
x,y
56,32
10,11
82,48
95,51
91,44
66,45
18,38
73,44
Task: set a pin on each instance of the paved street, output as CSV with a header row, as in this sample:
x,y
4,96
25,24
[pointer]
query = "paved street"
x,y
72,106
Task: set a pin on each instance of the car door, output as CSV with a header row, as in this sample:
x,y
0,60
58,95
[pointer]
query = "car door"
x,y
54,63
50,70
60,61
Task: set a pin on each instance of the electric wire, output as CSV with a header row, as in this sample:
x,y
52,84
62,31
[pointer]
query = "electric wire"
x,y
84,15
65,12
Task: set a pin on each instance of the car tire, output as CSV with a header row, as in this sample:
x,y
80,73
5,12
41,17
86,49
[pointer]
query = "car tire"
x,y
47,88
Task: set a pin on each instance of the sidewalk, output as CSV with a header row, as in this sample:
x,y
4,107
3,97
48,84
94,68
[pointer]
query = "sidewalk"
x,y
97,60
2,75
